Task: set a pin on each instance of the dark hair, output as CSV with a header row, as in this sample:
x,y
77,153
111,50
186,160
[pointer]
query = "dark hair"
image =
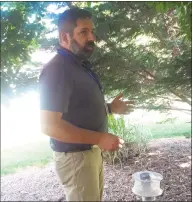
x,y
67,20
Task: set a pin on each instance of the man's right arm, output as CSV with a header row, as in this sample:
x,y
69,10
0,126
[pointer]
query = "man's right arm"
x,y
56,88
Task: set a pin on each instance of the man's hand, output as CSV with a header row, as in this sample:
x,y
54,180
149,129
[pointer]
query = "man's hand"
x,y
110,142
122,107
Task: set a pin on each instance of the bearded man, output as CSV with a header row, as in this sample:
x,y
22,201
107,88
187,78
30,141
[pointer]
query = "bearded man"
x,y
73,110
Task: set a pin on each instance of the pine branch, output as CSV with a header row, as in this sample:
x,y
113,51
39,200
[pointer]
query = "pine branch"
x,y
175,92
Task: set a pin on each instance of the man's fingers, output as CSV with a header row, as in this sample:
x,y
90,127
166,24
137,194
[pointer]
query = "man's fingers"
x,y
130,102
130,106
120,145
121,141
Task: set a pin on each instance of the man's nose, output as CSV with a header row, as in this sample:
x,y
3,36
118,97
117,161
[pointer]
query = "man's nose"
x,y
91,37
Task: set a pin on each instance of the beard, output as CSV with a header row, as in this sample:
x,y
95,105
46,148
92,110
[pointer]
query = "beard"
x,y
84,52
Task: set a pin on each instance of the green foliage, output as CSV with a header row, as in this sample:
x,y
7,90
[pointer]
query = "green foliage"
x,y
89,3
145,72
152,73
136,138
21,27
182,10
117,126
128,132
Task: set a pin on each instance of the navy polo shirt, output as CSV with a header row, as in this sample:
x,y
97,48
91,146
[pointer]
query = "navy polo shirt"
x,y
66,87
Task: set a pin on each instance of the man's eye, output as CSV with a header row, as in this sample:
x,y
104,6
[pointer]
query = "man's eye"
x,y
83,32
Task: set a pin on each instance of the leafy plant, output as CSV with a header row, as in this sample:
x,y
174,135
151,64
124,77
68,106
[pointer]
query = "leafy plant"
x,y
130,133
135,137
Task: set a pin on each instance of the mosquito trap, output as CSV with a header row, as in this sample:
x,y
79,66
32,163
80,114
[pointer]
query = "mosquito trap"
x,y
147,185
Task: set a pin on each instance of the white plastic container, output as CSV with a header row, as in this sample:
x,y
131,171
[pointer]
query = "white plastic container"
x,y
147,185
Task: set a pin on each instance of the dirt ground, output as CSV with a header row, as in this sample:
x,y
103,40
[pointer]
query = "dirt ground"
x,y
169,157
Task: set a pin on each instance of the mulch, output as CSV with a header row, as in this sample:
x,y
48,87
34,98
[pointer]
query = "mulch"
x,y
170,157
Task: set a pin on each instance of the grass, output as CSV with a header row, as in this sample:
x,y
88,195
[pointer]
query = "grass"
x,y
34,154
169,130
40,153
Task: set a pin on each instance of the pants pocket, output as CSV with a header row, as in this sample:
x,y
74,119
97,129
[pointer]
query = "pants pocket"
x,y
58,156
68,167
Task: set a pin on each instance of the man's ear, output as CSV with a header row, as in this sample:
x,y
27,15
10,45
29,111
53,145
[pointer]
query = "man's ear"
x,y
64,39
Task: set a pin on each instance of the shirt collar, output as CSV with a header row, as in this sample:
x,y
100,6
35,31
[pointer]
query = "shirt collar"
x,y
83,63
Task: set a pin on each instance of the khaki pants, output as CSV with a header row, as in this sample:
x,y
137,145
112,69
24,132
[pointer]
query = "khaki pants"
x,y
81,173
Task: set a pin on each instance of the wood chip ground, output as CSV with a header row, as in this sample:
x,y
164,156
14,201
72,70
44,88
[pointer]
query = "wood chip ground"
x,y
169,157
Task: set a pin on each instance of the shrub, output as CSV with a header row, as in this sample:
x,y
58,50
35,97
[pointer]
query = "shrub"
x,y
135,137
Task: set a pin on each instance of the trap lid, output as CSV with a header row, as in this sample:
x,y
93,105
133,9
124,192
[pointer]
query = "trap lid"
x,y
147,176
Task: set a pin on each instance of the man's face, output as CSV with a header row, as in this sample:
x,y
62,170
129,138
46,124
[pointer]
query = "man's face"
x,y
82,40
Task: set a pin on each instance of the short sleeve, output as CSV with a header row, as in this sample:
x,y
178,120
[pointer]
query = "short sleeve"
x,y
55,87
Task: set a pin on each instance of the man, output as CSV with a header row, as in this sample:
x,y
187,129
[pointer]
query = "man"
x,y
73,110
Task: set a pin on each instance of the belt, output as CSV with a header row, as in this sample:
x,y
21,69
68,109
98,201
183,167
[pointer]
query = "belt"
x,y
83,149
